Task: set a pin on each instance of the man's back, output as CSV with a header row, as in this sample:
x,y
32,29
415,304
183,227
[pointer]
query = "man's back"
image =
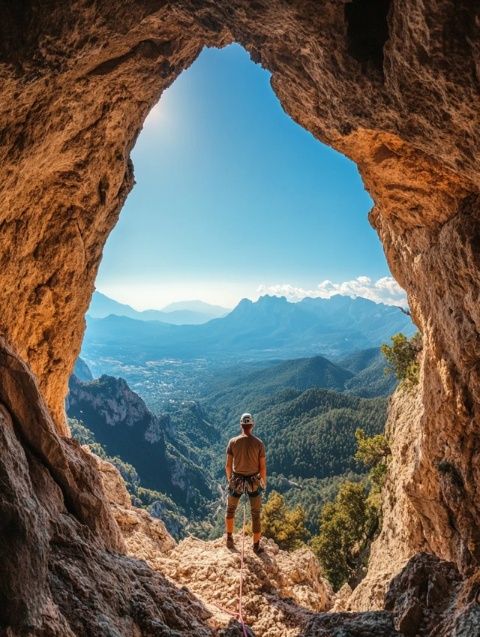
x,y
246,451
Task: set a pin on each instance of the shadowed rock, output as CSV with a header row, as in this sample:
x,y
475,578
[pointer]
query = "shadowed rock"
x,y
373,624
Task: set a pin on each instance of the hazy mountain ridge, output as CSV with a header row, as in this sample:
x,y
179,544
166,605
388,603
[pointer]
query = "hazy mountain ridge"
x,y
271,327
179,313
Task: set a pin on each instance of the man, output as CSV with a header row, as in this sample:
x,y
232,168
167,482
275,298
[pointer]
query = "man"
x,y
246,470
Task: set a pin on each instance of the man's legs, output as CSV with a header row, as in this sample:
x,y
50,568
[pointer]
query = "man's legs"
x,y
232,503
256,509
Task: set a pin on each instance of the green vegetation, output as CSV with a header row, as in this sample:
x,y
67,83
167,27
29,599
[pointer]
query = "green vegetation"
x,y
373,452
310,493
157,503
347,528
285,526
349,523
402,357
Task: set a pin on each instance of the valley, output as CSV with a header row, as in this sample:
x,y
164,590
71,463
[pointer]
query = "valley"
x,y
166,420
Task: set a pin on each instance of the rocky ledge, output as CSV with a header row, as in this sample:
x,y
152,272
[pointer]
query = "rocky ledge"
x,y
281,591
284,594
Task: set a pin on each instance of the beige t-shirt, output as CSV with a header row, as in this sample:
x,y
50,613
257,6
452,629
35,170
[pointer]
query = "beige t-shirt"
x,y
246,452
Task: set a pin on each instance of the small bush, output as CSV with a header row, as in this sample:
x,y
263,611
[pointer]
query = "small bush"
x,y
373,452
285,526
402,357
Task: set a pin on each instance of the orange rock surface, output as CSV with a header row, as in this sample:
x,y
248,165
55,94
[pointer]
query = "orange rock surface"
x,y
395,85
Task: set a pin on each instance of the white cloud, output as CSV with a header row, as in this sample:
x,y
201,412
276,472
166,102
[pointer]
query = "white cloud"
x,y
385,290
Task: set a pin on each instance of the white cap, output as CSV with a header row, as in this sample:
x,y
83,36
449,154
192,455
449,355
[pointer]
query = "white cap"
x,y
246,419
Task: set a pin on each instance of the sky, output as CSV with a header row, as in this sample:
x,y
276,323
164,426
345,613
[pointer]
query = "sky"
x,y
233,199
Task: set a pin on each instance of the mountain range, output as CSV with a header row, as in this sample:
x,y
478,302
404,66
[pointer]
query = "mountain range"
x,y
179,313
304,411
271,327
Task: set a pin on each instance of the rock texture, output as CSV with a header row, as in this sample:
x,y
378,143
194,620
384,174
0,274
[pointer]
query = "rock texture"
x,y
373,624
401,535
394,84
281,590
429,598
64,571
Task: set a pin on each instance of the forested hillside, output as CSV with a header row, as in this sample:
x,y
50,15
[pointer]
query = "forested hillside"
x,y
122,424
369,379
306,410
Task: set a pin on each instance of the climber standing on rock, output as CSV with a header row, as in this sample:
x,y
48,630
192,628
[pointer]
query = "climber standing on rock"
x,y
246,470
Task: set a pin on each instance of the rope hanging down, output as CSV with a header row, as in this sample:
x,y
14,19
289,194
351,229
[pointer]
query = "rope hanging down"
x,y
242,555
239,614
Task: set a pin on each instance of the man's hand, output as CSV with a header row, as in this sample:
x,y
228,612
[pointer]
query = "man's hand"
x,y
263,483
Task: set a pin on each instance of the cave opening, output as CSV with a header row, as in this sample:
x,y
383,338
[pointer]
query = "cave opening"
x,y
235,205
412,138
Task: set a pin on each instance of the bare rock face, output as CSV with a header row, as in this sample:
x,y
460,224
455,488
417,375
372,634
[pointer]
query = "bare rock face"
x,y
401,534
371,624
145,536
63,573
281,591
429,598
394,85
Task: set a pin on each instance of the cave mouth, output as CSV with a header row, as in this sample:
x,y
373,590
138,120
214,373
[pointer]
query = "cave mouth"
x,y
309,201
75,99
228,185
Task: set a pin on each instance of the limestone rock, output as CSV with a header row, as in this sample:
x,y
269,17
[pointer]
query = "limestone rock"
x,y
280,590
144,535
395,88
342,598
401,532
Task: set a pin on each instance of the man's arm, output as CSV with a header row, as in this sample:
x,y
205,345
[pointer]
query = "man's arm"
x,y
263,470
229,466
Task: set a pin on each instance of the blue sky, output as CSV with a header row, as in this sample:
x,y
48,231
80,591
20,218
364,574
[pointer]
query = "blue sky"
x,y
233,198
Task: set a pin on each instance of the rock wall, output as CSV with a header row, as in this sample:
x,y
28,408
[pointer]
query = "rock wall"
x,y
401,535
394,84
64,569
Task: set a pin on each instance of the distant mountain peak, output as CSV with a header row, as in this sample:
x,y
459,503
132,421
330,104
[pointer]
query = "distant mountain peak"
x,y
272,299
196,306
181,313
